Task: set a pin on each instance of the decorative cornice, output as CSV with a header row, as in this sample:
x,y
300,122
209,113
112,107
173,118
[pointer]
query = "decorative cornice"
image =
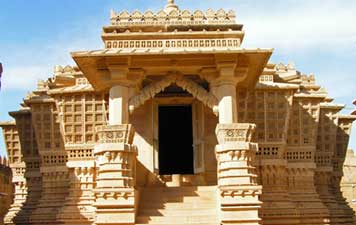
x,y
171,15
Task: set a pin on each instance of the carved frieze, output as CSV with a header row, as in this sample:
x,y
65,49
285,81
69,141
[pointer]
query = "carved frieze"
x,y
114,194
240,192
206,43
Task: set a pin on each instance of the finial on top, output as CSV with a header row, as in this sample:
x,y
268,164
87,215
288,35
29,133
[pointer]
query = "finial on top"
x,y
171,6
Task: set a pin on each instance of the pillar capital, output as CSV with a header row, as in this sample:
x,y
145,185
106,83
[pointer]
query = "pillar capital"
x,y
118,72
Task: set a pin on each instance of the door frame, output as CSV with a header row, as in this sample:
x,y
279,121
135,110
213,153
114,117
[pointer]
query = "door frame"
x,y
173,101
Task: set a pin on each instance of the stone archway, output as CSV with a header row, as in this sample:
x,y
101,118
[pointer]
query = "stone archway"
x,y
198,92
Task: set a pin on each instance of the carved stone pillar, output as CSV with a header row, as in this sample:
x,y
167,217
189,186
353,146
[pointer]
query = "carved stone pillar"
x,y
237,179
115,191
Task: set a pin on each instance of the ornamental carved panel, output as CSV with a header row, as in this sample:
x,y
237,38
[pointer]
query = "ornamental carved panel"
x,y
236,132
116,134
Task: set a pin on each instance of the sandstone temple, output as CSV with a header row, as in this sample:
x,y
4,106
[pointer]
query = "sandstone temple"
x,y
174,122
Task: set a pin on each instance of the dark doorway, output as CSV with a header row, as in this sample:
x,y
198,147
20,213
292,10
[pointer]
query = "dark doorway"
x,y
175,140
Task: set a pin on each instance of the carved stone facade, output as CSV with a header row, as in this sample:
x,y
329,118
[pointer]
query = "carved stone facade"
x,y
267,143
348,182
6,188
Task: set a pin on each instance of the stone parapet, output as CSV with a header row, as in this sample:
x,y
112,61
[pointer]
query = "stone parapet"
x,y
237,179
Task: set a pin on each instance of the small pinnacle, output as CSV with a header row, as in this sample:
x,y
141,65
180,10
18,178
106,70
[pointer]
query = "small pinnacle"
x,y
171,6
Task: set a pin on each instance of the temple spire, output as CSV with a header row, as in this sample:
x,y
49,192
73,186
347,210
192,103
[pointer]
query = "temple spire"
x,y
171,6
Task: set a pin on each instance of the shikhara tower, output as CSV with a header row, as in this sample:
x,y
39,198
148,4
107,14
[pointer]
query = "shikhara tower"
x,y
173,122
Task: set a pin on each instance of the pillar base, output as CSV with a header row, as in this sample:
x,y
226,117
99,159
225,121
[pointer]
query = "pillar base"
x,y
115,202
239,192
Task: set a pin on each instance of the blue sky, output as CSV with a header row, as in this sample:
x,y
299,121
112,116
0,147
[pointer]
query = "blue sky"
x,y
318,35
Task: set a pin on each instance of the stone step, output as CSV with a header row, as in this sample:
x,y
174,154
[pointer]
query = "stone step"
x,y
184,189
182,199
189,219
178,193
179,205
176,212
177,223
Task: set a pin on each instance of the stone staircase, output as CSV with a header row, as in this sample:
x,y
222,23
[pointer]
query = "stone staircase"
x,y
178,206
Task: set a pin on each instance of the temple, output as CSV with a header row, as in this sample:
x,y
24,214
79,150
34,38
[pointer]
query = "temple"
x,y
174,122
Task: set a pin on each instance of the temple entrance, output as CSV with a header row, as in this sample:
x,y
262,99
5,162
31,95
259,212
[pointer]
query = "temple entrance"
x,y
175,140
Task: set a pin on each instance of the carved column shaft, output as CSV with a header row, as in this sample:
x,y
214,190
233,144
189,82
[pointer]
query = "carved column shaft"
x,y
118,105
226,93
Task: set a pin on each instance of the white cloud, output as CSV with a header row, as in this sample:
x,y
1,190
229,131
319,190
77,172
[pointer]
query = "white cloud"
x,y
23,77
311,24
339,86
26,64
291,24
